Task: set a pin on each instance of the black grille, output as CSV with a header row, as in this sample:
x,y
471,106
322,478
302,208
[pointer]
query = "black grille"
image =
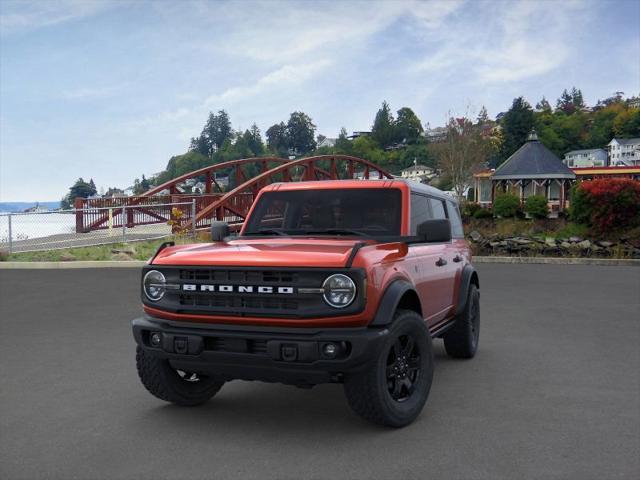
x,y
216,302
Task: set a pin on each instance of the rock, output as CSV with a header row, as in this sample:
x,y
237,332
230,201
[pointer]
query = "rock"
x,y
605,244
121,257
566,245
575,239
585,244
550,241
67,257
495,244
522,241
475,236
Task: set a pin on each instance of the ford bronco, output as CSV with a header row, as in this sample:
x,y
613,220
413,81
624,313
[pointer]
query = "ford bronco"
x,y
344,281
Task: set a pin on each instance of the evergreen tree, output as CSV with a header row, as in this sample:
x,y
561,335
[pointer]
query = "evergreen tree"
x,y
382,130
517,123
576,99
301,133
408,126
215,132
483,116
543,106
253,139
343,144
565,103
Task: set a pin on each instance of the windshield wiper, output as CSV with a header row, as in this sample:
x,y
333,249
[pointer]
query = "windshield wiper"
x,y
336,231
267,231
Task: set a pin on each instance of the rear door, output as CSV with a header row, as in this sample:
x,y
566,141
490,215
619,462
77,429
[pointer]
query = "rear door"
x,y
445,268
429,279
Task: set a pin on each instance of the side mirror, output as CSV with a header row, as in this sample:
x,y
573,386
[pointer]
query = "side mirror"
x,y
435,231
219,230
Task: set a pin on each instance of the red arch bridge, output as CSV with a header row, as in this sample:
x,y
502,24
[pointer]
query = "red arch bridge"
x,y
245,179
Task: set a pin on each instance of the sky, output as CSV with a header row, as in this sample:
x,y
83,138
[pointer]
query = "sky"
x,y
110,90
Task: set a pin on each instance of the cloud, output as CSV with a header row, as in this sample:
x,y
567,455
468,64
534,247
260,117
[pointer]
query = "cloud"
x,y
285,77
21,16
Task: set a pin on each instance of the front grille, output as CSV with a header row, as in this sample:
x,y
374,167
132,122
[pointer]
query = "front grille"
x,y
214,301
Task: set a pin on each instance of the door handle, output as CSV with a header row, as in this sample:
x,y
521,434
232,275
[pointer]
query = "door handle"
x,y
457,258
441,262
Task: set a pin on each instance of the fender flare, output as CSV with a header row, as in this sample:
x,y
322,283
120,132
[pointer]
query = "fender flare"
x,y
389,302
469,276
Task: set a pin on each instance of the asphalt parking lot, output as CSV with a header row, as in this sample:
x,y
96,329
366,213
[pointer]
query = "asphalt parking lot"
x,y
554,392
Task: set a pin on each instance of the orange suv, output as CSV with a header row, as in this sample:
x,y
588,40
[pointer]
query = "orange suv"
x,y
340,281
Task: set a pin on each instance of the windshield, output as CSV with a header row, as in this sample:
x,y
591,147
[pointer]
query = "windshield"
x,y
371,212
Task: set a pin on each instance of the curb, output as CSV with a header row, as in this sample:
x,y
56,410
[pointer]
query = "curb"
x,y
72,264
480,259
614,262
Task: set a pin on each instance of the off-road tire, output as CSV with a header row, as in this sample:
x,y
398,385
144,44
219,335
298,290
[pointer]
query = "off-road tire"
x,y
165,383
461,341
368,392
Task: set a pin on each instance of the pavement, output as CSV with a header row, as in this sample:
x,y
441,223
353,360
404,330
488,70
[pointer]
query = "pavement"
x,y
554,392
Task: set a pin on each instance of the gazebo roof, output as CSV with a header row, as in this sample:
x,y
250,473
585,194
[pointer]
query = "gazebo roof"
x,y
533,160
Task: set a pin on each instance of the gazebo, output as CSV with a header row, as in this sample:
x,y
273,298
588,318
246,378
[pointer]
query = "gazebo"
x,y
532,170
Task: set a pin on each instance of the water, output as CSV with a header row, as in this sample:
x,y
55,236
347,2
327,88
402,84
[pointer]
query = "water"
x,y
29,226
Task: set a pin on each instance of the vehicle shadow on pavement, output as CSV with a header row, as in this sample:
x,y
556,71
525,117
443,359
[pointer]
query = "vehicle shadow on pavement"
x,y
274,407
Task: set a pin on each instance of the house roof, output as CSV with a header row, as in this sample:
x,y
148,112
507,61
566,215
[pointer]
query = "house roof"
x,y
417,167
626,141
587,150
533,160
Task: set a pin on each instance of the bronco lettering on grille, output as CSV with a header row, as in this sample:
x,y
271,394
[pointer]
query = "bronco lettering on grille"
x,y
191,287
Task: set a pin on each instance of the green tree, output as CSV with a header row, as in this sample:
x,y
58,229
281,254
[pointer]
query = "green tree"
x,y
506,205
367,148
277,139
544,106
577,99
565,103
215,132
343,144
80,189
517,123
301,133
253,139
408,126
627,124
383,130
483,116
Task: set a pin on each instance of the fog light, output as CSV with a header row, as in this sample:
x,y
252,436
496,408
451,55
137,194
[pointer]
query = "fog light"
x,y
330,350
156,339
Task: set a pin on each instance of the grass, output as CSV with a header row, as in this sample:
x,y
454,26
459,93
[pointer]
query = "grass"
x,y
138,251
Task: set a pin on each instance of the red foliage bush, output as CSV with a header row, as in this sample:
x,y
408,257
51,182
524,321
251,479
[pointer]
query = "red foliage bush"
x,y
607,204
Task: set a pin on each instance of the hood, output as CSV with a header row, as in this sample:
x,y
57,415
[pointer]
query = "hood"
x,y
271,252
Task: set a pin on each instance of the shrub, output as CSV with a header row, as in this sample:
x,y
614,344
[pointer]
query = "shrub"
x,y
483,213
607,204
506,205
536,206
469,209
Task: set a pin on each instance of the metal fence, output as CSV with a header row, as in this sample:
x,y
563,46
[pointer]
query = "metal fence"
x,y
58,229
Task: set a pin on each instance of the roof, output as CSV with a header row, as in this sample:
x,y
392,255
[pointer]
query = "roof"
x,y
626,141
533,160
587,150
417,167
607,170
337,184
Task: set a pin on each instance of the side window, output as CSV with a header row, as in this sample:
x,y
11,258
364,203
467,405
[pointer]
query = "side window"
x,y
437,207
456,223
419,211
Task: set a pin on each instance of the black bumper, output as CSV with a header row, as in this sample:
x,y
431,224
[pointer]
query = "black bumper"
x,y
287,355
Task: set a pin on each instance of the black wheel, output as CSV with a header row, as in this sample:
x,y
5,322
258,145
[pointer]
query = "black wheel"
x,y
393,390
172,385
461,341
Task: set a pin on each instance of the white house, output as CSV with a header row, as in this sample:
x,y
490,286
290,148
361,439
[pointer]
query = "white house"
x,y
624,152
594,157
418,173
327,142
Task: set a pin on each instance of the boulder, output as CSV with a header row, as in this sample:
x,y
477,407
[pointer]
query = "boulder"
x,y
585,244
122,257
475,236
550,241
575,239
605,244
67,257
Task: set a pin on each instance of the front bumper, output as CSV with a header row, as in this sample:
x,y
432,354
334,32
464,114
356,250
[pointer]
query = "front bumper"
x,y
273,354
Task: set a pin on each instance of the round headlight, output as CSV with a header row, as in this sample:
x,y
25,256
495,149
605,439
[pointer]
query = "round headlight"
x,y
339,290
153,285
